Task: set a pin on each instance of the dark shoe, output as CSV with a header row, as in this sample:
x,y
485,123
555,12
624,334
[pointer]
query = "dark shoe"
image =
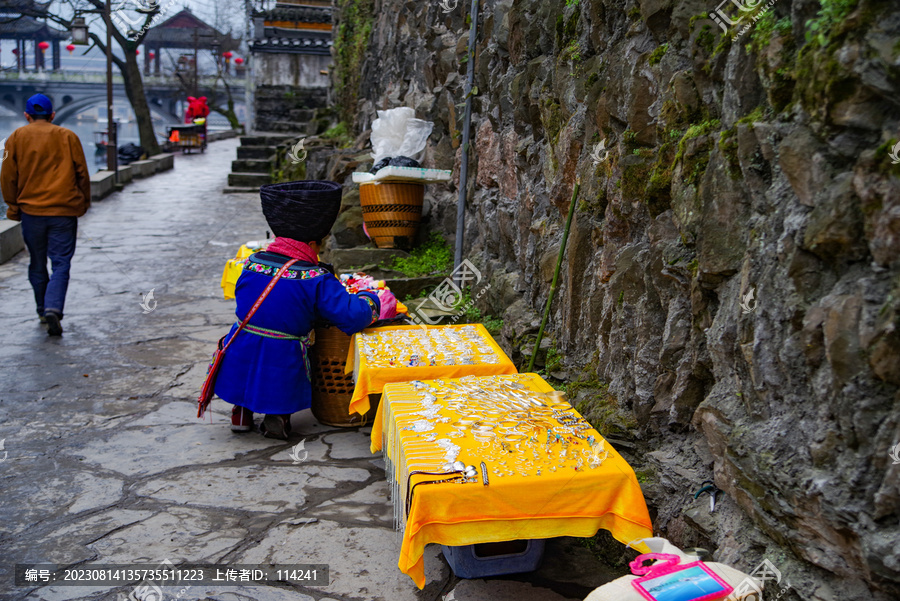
x,y
276,426
241,419
43,319
53,326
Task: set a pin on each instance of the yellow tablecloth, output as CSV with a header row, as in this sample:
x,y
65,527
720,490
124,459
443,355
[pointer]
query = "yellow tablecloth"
x,y
565,502
232,271
371,380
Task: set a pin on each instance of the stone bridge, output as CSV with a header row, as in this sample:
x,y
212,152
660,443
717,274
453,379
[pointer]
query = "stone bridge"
x,y
73,93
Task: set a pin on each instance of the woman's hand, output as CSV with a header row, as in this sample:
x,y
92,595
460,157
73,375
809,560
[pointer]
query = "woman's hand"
x,y
388,304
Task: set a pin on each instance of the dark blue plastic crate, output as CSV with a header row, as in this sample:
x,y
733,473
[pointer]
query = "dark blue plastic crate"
x,y
492,559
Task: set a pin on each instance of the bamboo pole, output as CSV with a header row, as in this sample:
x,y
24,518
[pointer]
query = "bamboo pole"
x,y
464,164
562,252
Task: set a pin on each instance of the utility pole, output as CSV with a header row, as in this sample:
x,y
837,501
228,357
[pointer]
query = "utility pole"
x,y
112,163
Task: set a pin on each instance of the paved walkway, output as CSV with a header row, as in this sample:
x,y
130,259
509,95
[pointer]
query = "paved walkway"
x,y
105,461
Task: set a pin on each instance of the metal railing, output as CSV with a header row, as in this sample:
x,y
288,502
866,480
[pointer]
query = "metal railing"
x,y
97,78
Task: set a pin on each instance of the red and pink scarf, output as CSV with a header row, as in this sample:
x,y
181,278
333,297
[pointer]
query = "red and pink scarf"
x,y
294,249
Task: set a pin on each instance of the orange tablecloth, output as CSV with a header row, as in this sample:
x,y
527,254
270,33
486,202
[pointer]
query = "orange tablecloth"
x,y
565,502
371,380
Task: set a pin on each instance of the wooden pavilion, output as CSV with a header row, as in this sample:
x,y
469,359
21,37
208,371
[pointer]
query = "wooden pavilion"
x,y
184,31
15,25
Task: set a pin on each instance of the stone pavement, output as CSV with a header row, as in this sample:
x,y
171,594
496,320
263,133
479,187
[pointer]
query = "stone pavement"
x,y
104,460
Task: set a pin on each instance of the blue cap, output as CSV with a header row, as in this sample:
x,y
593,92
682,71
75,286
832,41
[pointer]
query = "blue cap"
x,y
39,105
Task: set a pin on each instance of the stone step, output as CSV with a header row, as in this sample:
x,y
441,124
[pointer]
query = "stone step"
x,y
248,180
241,190
289,129
264,139
347,258
412,287
255,152
250,166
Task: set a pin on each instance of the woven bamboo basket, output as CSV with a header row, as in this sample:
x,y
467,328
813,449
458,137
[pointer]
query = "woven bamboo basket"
x,y
331,387
392,211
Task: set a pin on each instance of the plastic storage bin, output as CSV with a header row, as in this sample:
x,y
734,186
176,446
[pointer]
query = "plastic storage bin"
x,y
495,559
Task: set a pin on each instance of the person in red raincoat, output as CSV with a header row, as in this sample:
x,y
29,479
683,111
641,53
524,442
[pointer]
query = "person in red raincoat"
x,y
197,109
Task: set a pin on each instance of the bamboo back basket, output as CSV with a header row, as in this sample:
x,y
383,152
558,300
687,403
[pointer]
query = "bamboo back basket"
x,y
331,387
392,212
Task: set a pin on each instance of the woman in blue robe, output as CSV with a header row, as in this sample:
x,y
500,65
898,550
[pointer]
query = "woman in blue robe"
x,y
266,369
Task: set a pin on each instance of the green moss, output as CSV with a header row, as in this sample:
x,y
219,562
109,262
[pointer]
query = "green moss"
x,y
645,476
551,117
597,206
634,12
883,162
291,172
700,129
693,266
339,134
723,46
600,408
657,54
659,187
757,115
634,181
567,29
693,167
695,18
706,39
592,79
434,257
351,40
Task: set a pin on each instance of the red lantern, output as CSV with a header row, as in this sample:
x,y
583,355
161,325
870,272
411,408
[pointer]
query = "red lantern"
x,y
227,56
238,61
152,55
137,52
43,46
70,48
16,51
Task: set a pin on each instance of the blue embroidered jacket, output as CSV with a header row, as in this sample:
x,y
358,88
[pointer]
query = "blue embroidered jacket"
x,y
264,370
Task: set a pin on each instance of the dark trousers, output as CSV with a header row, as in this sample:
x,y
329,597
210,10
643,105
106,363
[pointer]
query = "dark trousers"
x,y
53,238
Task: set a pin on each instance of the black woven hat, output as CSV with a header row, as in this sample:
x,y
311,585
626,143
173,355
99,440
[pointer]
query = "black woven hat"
x,y
303,210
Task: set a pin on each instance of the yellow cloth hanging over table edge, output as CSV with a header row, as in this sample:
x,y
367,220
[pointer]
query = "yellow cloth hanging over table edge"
x,y
627,518
368,383
498,531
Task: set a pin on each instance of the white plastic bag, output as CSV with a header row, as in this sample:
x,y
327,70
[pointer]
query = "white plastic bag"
x,y
397,132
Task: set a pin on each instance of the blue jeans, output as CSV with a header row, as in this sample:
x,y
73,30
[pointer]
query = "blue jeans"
x,y
53,238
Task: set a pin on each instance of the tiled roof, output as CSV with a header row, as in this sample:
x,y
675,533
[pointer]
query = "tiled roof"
x,y
27,27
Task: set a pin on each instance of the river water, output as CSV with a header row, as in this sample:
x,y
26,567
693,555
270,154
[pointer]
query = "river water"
x,y
87,123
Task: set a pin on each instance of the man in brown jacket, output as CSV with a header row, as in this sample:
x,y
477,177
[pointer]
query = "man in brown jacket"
x,y
45,181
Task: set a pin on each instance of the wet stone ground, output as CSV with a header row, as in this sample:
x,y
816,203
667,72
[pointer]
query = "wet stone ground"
x,y
104,461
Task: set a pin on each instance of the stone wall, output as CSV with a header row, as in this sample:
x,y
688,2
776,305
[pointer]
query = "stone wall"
x,y
286,109
732,283
281,69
